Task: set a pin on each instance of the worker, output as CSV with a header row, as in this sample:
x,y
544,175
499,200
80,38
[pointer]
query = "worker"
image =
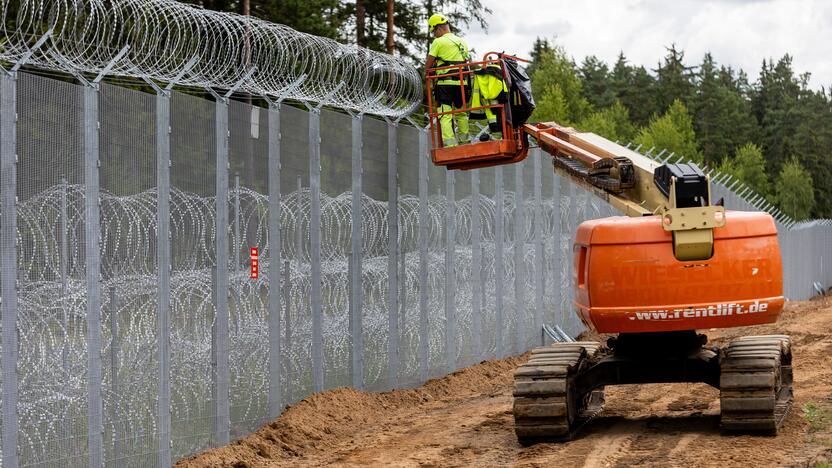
x,y
448,49
490,89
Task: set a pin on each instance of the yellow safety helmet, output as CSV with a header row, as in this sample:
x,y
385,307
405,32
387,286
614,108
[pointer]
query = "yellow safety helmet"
x,y
436,20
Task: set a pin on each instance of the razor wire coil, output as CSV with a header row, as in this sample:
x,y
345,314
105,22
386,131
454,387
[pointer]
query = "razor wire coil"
x,y
182,44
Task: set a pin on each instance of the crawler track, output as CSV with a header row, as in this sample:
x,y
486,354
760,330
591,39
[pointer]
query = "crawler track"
x,y
756,383
556,391
546,405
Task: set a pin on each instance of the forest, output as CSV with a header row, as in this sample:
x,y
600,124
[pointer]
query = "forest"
x,y
773,133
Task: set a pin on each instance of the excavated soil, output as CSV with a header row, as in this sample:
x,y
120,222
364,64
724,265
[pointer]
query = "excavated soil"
x,y
465,419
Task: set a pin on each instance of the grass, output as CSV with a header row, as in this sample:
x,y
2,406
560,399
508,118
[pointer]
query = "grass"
x,y
818,417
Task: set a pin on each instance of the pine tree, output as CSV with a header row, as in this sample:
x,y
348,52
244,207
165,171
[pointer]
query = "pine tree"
x,y
540,47
597,85
635,88
775,104
674,79
811,142
722,116
795,192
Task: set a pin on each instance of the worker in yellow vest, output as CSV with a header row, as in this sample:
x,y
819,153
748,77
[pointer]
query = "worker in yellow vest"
x,y
490,89
448,49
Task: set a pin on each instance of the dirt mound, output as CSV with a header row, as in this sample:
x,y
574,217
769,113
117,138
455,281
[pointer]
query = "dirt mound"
x,y
464,419
326,420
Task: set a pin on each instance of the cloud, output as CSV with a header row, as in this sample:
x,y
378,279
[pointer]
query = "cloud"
x,y
740,33
544,28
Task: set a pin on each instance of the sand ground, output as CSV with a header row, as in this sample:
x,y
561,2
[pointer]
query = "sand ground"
x,y
465,419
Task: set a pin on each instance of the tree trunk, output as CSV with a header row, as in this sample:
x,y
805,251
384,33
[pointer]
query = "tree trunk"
x,y
360,14
429,10
391,45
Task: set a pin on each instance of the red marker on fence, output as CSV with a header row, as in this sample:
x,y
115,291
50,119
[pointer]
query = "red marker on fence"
x,y
255,262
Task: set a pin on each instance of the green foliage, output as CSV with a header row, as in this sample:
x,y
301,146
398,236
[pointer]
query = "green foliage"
x,y
411,35
324,18
795,192
555,81
673,132
410,32
819,418
613,123
339,20
749,166
552,106
811,143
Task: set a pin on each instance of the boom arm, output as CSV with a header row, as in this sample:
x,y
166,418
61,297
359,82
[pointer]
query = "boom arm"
x,y
638,186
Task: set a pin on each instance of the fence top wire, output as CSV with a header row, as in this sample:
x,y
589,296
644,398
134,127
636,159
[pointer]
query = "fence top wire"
x,y
748,195
173,42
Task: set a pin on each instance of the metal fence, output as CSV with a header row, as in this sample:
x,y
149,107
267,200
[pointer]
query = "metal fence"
x,y
132,333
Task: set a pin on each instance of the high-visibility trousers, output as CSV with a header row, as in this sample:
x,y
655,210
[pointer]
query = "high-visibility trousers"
x,y
448,98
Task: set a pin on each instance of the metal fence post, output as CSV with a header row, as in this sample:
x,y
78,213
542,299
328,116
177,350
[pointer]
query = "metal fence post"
x,y
8,265
557,193
221,350
499,261
92,253
423,254
573,226
450,273
520,311
237,243
538,242
163,262
114,387
476,267
287,325
64,270
566,191
275,284
402,281
356,248
315,248
392,255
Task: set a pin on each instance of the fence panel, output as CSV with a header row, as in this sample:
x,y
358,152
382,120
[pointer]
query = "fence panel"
x,y
193,253
377,269
51,273
130,275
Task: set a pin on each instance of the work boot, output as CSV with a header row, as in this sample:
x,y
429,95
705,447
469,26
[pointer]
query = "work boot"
x,y
485,137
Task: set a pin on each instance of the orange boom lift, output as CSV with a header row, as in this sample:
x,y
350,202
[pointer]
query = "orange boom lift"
x,y
677,262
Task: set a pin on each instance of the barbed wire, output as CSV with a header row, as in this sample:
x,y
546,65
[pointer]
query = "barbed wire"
x,y
169,41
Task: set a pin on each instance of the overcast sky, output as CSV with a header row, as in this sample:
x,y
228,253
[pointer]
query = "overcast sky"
x,y
738,32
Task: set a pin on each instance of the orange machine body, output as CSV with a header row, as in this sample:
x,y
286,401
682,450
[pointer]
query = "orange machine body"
x,y
627,279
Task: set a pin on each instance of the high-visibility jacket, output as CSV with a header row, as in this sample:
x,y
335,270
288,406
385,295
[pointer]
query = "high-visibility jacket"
x,y
488,84
449,49
489,89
